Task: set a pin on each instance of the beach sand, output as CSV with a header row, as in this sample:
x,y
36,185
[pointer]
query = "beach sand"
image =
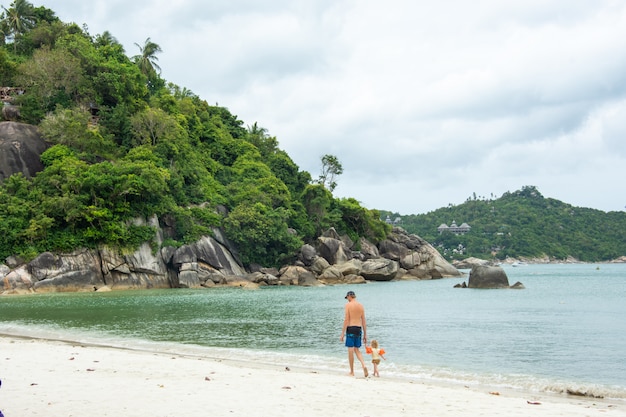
x,y
52,378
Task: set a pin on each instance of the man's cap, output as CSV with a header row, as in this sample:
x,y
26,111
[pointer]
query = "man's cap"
x,y
350,293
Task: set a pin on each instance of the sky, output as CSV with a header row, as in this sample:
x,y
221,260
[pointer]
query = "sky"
x,y
424,103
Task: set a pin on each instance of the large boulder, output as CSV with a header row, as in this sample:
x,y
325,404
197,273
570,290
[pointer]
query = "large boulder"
x,y
297,275
21,146
188,276
307,255
393,250
482,276
333,250
204,263
319,265
331,275
136,270
71,272
211,252
18,281
380,269
368,249
468,263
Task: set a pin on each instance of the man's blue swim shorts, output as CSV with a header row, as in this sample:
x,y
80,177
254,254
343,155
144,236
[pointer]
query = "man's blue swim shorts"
x,y
353,336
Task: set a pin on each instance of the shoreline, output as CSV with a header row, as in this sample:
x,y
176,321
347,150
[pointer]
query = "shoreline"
x,y
66,378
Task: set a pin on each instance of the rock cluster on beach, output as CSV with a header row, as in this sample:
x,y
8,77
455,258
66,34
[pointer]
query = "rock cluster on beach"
x,y
213,261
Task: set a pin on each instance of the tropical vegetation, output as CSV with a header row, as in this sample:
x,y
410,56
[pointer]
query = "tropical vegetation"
x,y
127,144
521,224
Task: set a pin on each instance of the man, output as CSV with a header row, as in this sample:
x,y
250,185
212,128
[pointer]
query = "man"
x,y
354,326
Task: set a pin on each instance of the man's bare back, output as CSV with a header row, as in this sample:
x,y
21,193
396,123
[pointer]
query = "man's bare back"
x,y
355,314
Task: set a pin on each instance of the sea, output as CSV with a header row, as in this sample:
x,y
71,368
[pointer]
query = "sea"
x,y
564,334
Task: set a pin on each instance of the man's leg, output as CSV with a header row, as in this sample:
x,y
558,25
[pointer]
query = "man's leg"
x,y
360,358
351,360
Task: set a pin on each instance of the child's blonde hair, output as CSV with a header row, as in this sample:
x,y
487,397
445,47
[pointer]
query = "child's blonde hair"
x,y
375,344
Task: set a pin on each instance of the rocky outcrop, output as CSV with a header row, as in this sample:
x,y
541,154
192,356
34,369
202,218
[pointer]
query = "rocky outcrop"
x,y
76,271
21,146
213,261
487,277
484,276
379,269
417,258
469,263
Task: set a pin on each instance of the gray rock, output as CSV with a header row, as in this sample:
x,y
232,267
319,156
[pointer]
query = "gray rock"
x,y
379,269
188,278
319,265
21,146
136,270
393,250
296,275
368,249
211,252
307,254
333,250
70,272
18,281
483,276
332,275
468,263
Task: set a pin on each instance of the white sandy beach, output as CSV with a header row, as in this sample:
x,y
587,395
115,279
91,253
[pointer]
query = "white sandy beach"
x,y
51,378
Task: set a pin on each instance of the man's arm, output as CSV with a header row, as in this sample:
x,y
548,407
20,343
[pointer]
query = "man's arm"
x,y
346,319
364,323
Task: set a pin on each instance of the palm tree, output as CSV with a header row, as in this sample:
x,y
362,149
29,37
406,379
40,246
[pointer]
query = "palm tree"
x,y
179,93
147,59
106,39
19,18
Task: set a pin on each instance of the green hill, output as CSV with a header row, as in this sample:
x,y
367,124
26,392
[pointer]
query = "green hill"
x,y
128,144
522,224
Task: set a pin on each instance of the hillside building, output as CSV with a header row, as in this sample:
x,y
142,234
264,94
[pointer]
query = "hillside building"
x,y
453,228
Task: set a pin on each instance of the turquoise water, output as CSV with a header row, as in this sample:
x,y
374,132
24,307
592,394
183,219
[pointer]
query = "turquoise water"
x,y
565,331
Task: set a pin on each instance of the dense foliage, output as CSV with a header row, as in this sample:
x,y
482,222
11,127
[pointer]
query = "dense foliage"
x,y
522,224
127,145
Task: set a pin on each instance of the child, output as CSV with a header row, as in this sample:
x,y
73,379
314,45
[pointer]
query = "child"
x,y
376,353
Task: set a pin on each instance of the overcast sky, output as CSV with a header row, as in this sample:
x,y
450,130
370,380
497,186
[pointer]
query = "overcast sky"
x,y
424,103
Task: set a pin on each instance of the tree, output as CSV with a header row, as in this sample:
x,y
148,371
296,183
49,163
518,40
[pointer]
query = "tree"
x,y
8,68
152,125
261,234
358,221
51,77
318,201
71,127
259,137
106,39
146,61
19,18
331,169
